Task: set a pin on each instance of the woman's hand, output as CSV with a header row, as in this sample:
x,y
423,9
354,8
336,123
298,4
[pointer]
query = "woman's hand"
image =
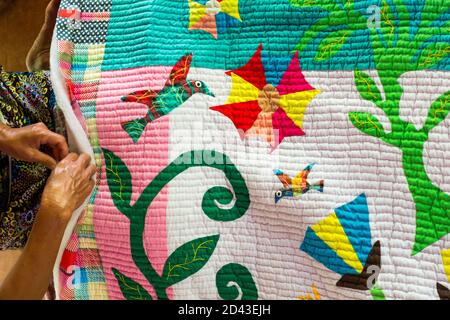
x,y
24,144
68,186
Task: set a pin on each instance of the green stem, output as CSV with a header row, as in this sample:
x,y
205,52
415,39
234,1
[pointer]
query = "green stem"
x,y
232,276
432,204
142,262
212,200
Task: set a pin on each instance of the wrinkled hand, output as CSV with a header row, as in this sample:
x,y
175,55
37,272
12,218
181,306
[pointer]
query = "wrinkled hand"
x,y
24,144
69,185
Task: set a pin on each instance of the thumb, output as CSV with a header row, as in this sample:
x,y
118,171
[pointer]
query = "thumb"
x,y
43,159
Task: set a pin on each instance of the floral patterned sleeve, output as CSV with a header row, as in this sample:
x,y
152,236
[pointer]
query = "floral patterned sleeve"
x,y
25,98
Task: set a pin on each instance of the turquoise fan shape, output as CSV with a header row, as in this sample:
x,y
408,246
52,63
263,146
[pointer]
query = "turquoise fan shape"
x,y
342,242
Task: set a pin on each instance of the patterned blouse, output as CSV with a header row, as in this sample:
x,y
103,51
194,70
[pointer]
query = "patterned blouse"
x,y
25,98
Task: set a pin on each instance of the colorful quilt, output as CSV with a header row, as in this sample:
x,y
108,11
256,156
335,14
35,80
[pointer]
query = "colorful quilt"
x,y
254,149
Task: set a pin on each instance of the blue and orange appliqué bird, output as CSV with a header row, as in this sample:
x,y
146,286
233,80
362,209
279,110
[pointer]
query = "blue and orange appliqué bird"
x,y
293,188
176,91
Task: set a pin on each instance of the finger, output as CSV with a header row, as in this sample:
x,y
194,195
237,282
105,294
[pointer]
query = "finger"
x,y
39,125
89,172
53,153
89,189
71,157
85,192
49,138
42,158
38,129
84,160
57,143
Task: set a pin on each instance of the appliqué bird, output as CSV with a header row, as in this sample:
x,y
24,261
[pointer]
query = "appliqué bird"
x,y
297,186
176,91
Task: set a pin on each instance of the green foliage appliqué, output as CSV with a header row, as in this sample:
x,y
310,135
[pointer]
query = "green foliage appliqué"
x,y
192,256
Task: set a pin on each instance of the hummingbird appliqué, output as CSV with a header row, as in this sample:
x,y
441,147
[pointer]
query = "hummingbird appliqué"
x,y
176,91
293,188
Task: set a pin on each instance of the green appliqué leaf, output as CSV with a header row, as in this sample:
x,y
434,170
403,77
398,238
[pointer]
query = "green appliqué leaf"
x,y
367,87
432,54
439,110
119,180
188,259
131,290
367,123
331,45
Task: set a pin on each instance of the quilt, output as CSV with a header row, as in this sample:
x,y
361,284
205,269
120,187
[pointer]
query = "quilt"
x,y
254,149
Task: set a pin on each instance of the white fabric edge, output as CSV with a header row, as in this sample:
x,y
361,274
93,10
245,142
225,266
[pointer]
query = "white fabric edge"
x,y
78,142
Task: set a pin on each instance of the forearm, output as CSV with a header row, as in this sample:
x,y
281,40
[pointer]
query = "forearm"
x,y
3,129
31,275
38,57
